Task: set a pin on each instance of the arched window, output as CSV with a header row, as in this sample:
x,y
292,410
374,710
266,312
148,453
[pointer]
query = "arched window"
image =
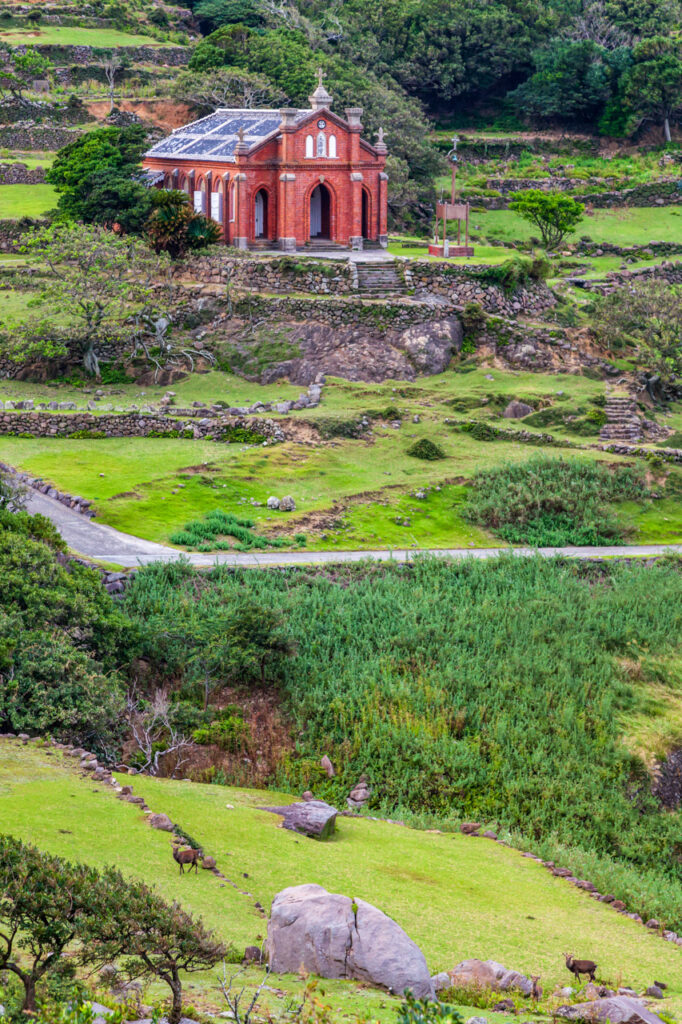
x,y
321,145
332,145
217,203
309,152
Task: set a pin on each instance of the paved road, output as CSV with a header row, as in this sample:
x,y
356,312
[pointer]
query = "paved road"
x,y
103,543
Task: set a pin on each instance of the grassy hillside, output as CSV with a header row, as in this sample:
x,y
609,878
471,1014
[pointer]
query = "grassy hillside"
x,y
457,897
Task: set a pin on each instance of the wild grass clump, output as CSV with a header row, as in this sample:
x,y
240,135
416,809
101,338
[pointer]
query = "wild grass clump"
x,y
202,534
426,449
550,502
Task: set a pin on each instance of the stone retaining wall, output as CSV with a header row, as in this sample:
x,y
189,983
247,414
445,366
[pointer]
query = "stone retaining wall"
x,y
277,274
652,194
20,174
670,272
37,136
11,235
461,285
168,56
213,428
377,316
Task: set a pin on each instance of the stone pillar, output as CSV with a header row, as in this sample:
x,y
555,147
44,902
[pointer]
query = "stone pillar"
x,y
355,240
382,196
241,213
286,227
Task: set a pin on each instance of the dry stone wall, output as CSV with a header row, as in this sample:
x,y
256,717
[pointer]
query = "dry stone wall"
x,y
657,193
170,56
20,174
209,426
32,136
669,272
461,285
280,274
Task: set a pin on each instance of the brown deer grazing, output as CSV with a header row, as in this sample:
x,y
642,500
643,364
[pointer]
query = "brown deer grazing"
x,y
536,992
190,857
579,967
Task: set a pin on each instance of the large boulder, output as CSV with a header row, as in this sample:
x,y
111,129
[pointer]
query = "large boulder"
x,y
431,346
616,1010
516,410
336,937
489,974
312,818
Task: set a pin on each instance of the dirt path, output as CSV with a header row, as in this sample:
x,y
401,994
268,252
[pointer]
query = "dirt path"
x,y
102,543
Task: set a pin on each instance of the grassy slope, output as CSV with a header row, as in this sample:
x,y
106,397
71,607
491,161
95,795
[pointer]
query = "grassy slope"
x,y
456,897
623,226
18,201
135,492
71,35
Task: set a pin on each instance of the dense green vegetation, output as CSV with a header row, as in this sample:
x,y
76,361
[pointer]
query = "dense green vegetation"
x,y
553,502
490,691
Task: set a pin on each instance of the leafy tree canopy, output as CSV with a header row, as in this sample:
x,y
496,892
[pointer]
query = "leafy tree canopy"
x,y
554,213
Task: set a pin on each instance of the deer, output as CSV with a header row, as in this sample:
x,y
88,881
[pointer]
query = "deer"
x,y
536,991
190,857
579,967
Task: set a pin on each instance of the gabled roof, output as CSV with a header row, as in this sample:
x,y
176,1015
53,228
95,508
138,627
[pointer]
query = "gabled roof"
x,y
217,135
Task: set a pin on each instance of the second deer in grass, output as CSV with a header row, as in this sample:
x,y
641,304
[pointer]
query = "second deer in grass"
x,y
190,857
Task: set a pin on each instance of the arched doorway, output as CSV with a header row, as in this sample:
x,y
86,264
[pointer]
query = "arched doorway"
x,y
320,209
261,214
365,214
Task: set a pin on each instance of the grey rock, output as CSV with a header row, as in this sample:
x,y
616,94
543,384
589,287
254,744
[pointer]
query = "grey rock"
x,y
617,1010
654,992
441,981
477,1020
490,974
162,822
313,818
273,503
283,407
431,346
325,763
336,937
516,410
287,504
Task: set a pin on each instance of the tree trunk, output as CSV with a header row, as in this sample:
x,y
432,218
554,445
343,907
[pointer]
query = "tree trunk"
x,y
90,360
175,1015
666,129
29,994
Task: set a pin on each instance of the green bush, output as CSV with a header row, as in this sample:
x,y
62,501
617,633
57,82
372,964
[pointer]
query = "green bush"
x,y
426,449
202,534
329,427
229,731
552,502
83,435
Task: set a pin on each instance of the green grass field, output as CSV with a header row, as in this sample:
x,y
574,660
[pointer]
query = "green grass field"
x,y
349,493
623,226
18,201
456,897
70,35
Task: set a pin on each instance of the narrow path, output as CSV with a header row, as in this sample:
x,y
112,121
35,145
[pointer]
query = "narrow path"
x,y
103,543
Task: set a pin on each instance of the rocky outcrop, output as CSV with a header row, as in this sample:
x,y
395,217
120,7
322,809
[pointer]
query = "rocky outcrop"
x,y
314,818
488,974
616,1010
335,936
516,410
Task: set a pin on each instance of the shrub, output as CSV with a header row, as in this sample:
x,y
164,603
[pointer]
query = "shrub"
x,y
332,426
202,534
552,502
83,435
426,449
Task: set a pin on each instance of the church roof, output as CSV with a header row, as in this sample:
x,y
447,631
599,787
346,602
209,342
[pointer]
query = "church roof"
x,y
218,135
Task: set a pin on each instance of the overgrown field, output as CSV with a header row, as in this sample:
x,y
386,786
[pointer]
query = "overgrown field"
x,y
350,492
501,692
456,897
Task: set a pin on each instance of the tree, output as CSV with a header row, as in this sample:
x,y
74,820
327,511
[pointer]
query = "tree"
x,y
652,86
226,87
113,62
175,228
153,938
43,901
96,280
18,71
213,14
571,82
553,213
154,733
647,316
98,178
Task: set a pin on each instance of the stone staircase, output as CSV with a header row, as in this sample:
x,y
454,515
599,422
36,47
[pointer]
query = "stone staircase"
x,y
623,423
379,277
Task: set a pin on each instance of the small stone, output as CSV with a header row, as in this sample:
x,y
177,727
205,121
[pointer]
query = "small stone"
x,y
287,504
653,923
208,863
273,503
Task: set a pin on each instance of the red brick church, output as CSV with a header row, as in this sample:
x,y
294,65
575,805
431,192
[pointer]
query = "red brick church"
x,y
283,179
